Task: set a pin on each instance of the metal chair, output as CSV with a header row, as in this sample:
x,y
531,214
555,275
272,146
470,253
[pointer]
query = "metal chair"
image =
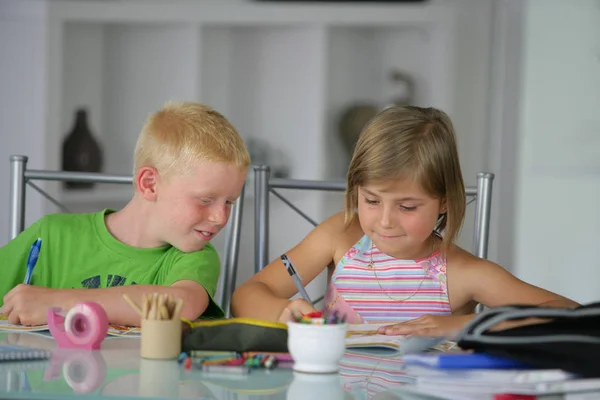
x,y
264,185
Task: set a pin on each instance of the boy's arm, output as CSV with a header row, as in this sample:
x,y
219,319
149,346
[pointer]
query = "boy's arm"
x,y
192,277
194,296
27,304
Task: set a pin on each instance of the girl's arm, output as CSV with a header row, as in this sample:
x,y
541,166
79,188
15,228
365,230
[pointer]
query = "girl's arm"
x,y
473,279
266,295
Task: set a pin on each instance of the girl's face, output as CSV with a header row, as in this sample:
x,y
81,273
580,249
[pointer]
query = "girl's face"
x,y
399,217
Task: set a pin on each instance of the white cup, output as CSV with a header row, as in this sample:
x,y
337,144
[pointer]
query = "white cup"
x,y
316,348
316,386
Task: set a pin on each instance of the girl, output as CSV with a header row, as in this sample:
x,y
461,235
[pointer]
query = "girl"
x,y
391,255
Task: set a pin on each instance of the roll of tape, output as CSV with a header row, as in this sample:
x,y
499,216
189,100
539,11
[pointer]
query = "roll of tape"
x,y
85,323
84,371
85,326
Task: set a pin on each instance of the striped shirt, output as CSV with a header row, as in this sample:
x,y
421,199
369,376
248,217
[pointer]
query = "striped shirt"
x,y
388,290
364,375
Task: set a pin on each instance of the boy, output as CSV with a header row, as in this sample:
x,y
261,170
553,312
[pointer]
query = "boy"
x,y
189,167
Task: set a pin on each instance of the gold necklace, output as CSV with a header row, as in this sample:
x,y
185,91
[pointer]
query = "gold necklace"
x,y
368,378
372,267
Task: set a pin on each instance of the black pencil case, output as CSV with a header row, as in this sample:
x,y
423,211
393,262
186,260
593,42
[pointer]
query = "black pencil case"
x,y
235,334
568,339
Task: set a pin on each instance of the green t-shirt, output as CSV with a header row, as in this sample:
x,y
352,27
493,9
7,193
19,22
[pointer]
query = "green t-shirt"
x,y
78,252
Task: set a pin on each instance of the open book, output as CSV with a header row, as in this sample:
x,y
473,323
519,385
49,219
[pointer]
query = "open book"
x,y
113,330
365,337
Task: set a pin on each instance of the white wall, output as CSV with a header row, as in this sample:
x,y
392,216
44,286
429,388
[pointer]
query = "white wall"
x,y
558,186
22,42
467,105
503,125
470,104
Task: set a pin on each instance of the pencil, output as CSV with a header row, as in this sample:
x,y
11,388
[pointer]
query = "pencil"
x,y
153,306
145,306
170,305
178,308
164,312
159,306
292,271
133,305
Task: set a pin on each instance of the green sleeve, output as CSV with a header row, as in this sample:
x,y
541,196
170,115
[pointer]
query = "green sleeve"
x,y
203,267
13,258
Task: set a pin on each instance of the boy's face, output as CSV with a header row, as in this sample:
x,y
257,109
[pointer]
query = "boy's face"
x,y
192,208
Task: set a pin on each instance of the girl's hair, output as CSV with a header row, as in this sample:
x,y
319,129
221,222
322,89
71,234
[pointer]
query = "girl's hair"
x,y
408,142
181,133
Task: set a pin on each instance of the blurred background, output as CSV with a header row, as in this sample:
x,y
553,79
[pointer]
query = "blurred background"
x,y
520,79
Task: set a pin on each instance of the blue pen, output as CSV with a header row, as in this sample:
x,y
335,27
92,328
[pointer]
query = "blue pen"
x,y
34,253
292,271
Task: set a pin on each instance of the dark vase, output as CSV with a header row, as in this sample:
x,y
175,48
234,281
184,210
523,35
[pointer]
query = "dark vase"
x,y
81,152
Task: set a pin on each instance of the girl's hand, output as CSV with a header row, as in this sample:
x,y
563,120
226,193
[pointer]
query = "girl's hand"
x,y
297,306
428,325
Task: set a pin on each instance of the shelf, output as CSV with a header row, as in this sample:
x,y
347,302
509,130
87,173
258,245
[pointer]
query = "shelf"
x,y
269,82
361,63
101,193
121,73
281,73
285,85
250,12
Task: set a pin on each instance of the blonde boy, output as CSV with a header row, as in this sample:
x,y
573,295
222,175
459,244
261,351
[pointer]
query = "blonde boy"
x,y
190,166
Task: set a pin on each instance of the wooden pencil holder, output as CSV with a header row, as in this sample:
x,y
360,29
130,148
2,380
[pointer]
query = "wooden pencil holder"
x,y
160,339
158,379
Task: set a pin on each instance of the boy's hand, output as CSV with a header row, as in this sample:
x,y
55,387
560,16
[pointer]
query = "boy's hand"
x,y
28,305
297,306
428,325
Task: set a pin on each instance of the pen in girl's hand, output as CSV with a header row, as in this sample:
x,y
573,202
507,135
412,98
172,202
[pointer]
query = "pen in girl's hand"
x,y
34,253
290,268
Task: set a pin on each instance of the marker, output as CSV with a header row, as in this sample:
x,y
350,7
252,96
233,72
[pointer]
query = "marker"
x,y
292,271
234,369
212,353
34,253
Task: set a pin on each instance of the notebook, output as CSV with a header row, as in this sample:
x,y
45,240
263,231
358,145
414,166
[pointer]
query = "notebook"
x,y
113,330
522,383
13,352
7,326
366,337
463,361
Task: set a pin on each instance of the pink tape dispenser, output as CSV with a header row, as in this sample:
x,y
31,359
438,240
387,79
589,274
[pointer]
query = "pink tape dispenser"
x,y
85,371
84,327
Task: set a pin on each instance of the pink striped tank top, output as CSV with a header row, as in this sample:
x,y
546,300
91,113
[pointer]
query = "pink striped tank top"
x,y
390,290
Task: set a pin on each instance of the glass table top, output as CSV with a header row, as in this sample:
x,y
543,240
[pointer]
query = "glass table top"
x,y
118,372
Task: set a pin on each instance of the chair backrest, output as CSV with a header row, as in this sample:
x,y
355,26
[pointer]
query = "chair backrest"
x,y
20,176
264,185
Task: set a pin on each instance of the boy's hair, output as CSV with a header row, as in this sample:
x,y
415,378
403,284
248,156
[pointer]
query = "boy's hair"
x,y
180,133
408,142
